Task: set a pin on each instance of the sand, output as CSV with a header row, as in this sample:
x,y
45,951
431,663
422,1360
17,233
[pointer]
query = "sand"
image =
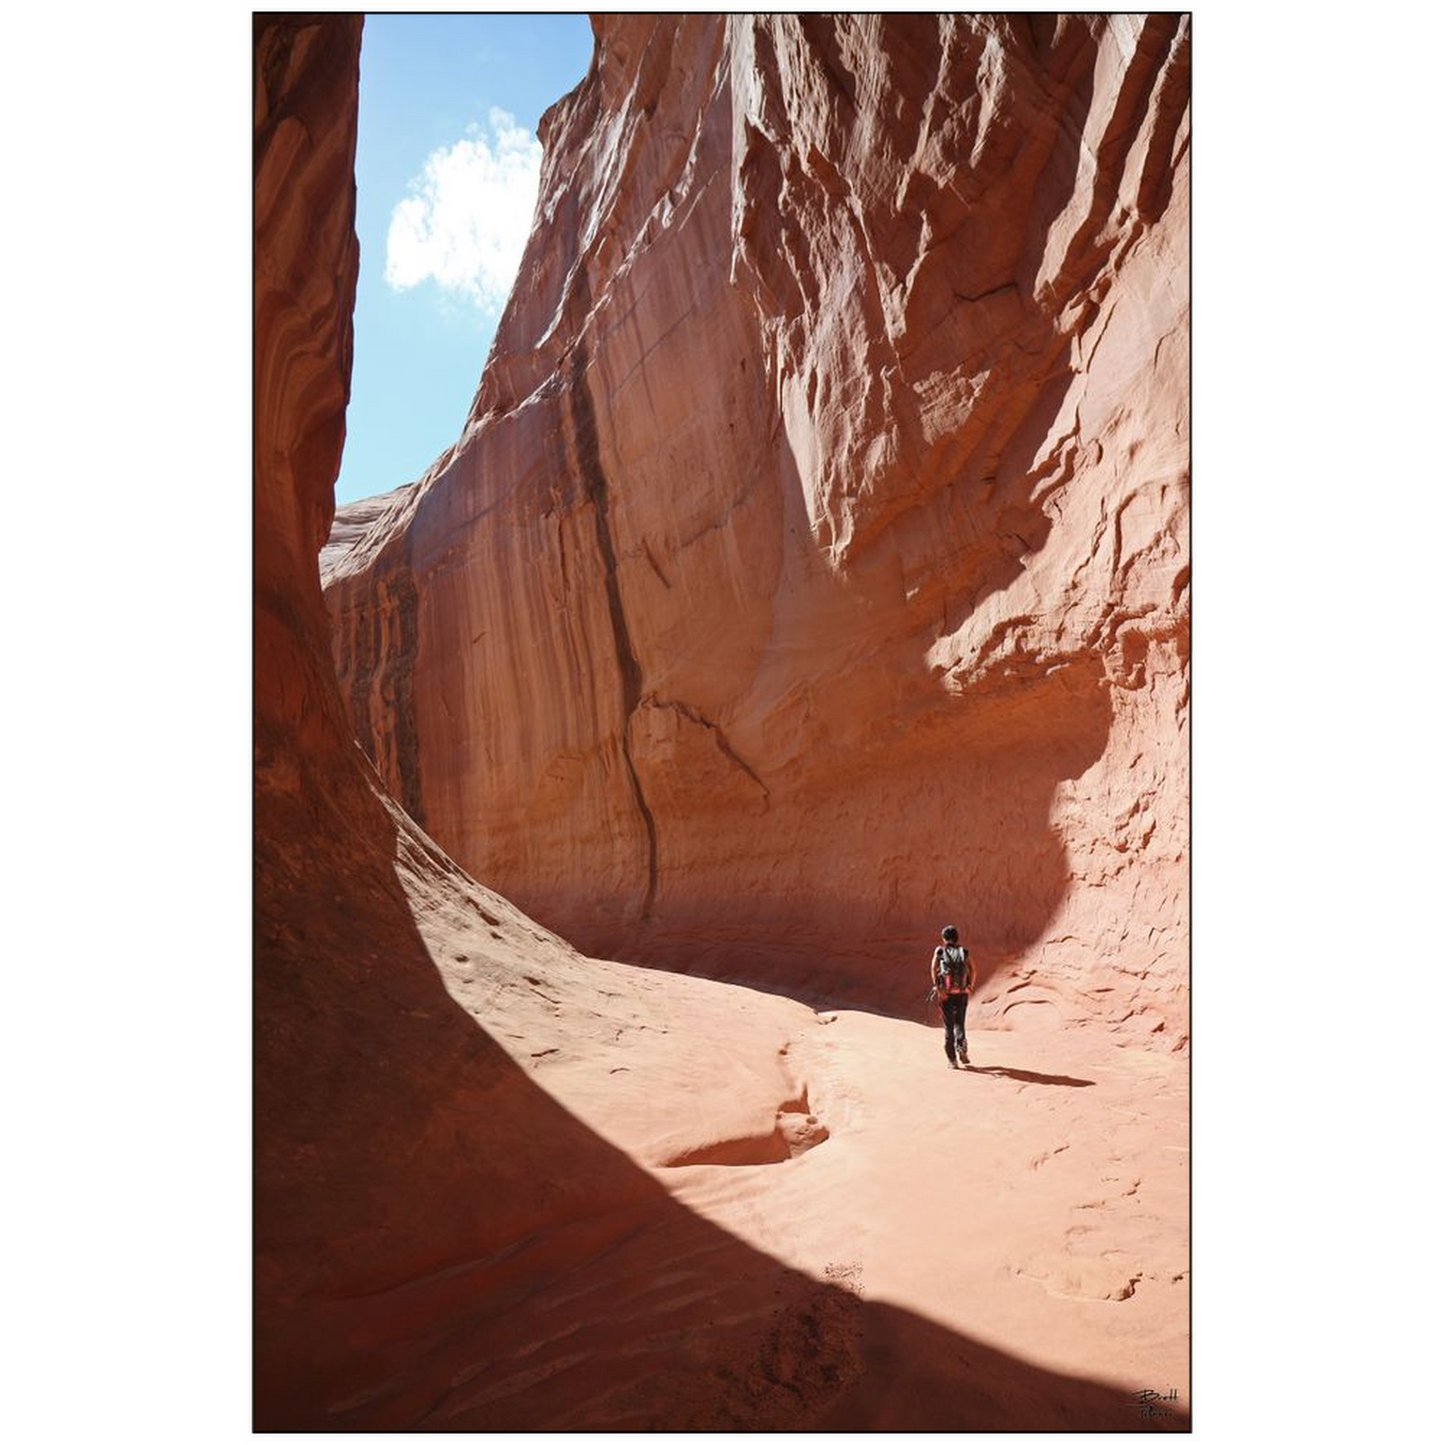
x,y
1034,1205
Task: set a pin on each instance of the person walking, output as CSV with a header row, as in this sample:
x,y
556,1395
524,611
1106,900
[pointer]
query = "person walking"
x,y
953,978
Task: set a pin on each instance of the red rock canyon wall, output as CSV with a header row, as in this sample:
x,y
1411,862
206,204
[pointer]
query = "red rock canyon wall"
x,y
393,1137
813,567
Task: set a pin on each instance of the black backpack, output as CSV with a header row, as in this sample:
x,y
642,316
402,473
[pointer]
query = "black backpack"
x,y
953,971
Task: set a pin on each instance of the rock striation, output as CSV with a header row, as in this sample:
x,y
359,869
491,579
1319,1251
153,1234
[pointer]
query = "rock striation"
x,y
813,568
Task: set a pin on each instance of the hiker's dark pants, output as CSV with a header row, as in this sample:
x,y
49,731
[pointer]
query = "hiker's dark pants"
x,y
955,1006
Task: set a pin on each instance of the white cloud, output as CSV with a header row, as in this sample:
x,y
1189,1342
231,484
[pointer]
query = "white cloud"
x,y
467,216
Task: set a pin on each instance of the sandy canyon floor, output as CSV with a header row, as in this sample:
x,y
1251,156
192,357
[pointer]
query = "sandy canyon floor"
x,y
847,1233
1034,1202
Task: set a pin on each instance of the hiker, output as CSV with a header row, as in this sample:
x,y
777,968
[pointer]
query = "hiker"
x,y
953,978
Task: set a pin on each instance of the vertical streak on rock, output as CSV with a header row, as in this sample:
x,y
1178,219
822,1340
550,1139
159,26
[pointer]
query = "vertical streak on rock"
x,y
376,655
594,483
401,666
360,636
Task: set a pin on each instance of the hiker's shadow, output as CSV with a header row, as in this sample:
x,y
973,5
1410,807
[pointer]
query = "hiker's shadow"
x,y
1027,1076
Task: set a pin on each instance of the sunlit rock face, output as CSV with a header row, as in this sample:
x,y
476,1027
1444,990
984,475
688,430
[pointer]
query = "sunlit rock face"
x,y
812,570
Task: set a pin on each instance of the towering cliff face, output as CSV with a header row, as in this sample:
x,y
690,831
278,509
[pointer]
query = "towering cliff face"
x,y
812,569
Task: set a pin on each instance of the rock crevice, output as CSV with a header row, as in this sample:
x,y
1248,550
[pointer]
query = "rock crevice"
x,y
588,460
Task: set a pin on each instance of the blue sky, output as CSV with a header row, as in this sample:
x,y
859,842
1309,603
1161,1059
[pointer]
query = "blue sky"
x,y
445,164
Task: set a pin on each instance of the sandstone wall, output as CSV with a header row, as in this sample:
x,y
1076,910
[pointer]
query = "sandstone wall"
x,y
393,1138
813,567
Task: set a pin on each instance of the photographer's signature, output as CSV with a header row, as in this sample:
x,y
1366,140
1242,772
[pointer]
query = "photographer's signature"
x,y
1148,1402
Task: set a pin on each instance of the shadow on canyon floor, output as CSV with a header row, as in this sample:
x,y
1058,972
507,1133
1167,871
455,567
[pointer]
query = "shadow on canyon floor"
x,y
441,1245
1027,1076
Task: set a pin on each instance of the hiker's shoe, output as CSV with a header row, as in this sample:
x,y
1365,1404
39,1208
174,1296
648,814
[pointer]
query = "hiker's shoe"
x,y
963,1057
